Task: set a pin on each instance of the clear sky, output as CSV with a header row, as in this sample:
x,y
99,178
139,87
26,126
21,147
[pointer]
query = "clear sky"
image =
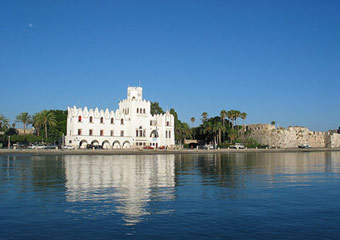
x,y
275,60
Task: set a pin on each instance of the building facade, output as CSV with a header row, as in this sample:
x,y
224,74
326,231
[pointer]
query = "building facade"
x,y
130,126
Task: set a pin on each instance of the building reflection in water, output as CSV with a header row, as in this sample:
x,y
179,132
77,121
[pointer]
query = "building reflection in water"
x,y
131,182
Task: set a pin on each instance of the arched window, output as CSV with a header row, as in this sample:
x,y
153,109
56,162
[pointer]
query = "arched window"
x,y
112,121
91,119
143,110
79,118
101,120
137,110
166,134
140,110
122,121
169,134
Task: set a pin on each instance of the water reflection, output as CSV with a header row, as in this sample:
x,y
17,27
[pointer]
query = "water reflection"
x,y
132,181
133,187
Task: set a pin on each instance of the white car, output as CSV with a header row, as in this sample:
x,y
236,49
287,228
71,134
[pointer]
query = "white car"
x,y
237,146
38,146
68,147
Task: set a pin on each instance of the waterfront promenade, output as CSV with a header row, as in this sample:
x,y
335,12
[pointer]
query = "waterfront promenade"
x,y
158,151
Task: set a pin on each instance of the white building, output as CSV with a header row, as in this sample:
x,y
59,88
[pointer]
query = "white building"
x,y
130,126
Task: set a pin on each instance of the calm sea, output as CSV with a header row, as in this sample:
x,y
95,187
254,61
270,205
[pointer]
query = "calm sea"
x,y
190,196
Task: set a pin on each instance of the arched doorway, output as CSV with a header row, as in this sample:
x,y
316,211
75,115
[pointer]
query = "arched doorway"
x,y
154,134
116,145
126,144
83,144
106,144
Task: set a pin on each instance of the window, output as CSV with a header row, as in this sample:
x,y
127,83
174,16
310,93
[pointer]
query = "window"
x,y
112,121
169,134
166,134
136,132
168,123
122,133
101,132
91,119
70,141
112,133
143,133
150,122
140,110
101,120
122,121
137,110
144,110
79,132
79,118
140,133
90,132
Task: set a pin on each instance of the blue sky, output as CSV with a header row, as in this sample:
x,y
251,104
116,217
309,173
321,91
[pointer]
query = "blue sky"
x,y
275,60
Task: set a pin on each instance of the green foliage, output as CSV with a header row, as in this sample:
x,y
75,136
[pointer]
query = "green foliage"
x,y
224,145
51,124
156,109
11,131
186,146
25,119
4,123
182,130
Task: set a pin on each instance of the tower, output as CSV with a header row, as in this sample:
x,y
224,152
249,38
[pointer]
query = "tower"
x,y
135,93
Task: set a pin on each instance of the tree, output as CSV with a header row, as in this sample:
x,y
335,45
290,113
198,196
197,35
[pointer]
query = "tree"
x,y
204,116
156,109
4,123
243,116
37,123
273,123
25,119
46,119
223,115
233,134
192,120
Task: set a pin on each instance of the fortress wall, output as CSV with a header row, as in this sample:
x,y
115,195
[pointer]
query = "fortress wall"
x,y
291,137
333,140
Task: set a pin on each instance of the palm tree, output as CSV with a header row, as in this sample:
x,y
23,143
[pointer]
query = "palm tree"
x,y
237,114
45,119
37,123
4,122
25,119
204,116
232,133
192,120
223,115
230,117
243,116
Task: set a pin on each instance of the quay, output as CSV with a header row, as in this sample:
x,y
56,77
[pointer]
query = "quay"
x,y
157,151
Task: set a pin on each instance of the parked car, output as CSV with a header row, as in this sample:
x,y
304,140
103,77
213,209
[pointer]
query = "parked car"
x,y
148,147
51,146
69,147
161,147
305,145
20,145
90,146
237,146
38,146
206,146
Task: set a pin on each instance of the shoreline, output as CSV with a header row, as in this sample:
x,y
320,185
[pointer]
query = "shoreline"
x,y
155,152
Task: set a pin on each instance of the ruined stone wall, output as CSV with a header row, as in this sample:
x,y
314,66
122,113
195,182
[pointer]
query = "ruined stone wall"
x,y
291,137
333,140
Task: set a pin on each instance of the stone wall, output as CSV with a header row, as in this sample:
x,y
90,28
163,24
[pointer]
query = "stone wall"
x,y
291,137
